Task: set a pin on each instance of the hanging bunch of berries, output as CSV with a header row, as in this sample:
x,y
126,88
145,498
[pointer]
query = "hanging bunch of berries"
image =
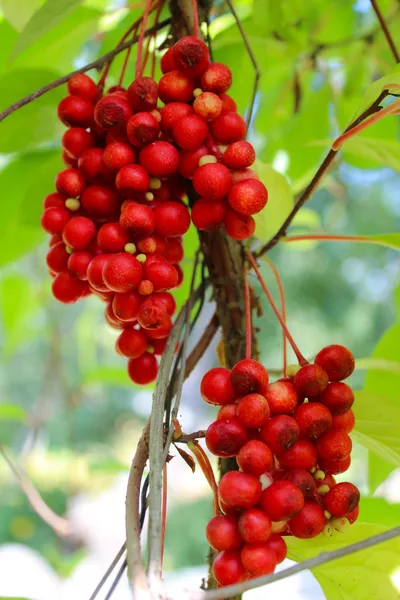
x,y
118,214
289,438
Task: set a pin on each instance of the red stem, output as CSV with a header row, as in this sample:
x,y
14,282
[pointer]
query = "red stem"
x,y
283,308
132,28
207,469
141,38
300,357
247,308
328,238
195,19
164,509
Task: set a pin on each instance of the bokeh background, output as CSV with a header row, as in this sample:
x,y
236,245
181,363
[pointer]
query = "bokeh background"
x,y
69,415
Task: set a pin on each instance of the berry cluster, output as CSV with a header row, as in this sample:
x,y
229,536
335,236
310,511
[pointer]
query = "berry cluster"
x,y
117,218
289,438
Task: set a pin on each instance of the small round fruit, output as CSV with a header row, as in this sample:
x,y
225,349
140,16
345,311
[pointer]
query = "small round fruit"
x,y
240,490
122,272
70,182
112,112
334,467
228,411
143,94
172,219
216,387
258,559
239,227
117,155
282,398
208,106
248,197
228,128
314,419
67,288
282,500
172,113
79,232
228,568
337,361
112,238
95,272
239,155
189,132
160,272
101,202
217,79
302,455
160,159
76,140
309,522
338,397
224,438
342,499
191,56
345,422
334,445
304,481
209,215
132,179
175,86
278,545
75,111
253,411
255,457
82,85
222,533
280,433
131,343
138,219
79,262
126,306
54,219
57,259
213,181
310,381
249,376
143,370
254,526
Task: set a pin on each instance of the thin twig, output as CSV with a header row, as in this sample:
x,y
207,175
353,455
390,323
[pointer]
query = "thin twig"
x,y
185,438
283,308
110,569
116,581
93,65
385,30
59,525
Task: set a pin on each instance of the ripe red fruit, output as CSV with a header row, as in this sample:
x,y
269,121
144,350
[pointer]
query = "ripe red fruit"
x,y
112,112
172,113
75,111
248,197
189,132
132,179
249,376
209,215
160,159
143,94
143,370
334,445
139,219
152,313
213,181
76,140
112,238
258,559
216,387
342,499
131,343
92,167
255,457
314,419
126,306
54,200
217,78
228,103
172,218
304,481
239,490
191,56
222,533
82,85
145,287
253,411
167,299
54,219
111,319
122,272
189,160
282,398
282,500
142,129
228,411
278,545
338,397
167,62
243,175
280,433
79,262
228,128
254,526
345,422
67,288
174,86
208,106
228,568
57,258
70,182
225,437
353,516
309,522
302,455
159,346
117,155
335,467
95,272
79,232
337,361
161,273
239,155
174,252
239,227
100,202
69,160
310,381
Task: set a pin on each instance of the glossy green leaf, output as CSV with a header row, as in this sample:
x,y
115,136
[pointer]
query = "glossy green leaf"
x,y
280,201
375,89
45,18
378,471
377,424
108,375
8,36
18,305
388,350
11,412
359,576
379,152
19,12
378,364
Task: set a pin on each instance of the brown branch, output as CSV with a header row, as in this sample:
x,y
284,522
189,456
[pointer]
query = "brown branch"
x,y
314,183
93,65
58,524
385,30
185,438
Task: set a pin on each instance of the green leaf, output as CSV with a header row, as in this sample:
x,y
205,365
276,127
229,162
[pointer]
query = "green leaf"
x,y
378,471
380,512
280,201
388,349
378,364
48,16
374,90
8,36
11,412
359,576
379,152
18,304
108,375
377,424
18,13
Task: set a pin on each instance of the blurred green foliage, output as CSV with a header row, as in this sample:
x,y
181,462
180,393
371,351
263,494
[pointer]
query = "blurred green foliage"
x,y
63,388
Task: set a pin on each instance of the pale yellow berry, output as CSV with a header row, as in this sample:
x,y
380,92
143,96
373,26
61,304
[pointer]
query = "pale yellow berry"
x,y
155,183
156,114
292,370
68,249
327,514
323,489
130,248
319,475
150,349
141,258
207,159
72,204
197,92
149,196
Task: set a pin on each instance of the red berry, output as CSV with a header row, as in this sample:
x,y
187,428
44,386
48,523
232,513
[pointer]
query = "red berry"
x,y
145,287
76,140
111,319
217,78
112,238
208,106
302,455
53,219
139,219
70,182
82,85
117,155
189,160
174,251
174,86
228,128
191,56
239,227
228,568
54,200
243,175
280,433
79,262
92,167
255,457
334,445
335,467
189,132
126,306
159,346
213,181
314,419
67,288
258,559
309,522
278,545
131,343
112,112
122,272
95,272
228,103
69,160
143,94
222,533
167,62
216,387
345,422
143,370
282,500
167,299
162,331
79,232
342,499
75,111
240,490
160,159
172,219
142,129
228,411
249,376
100,202
282,398
304,481
209,215
338,397
152,313
253,411
337,361
132,179
248,197
239,155
310,381
161,273
225,437
254,526
353,516
173,112
57,258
